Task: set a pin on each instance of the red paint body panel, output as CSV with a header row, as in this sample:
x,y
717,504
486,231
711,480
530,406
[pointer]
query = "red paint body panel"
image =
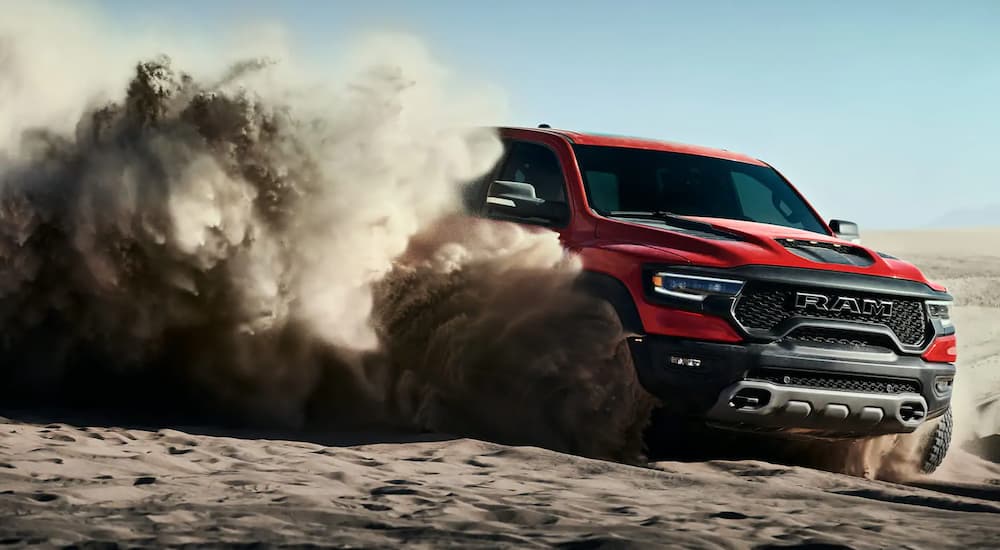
x,y
689,325
942,350
620,248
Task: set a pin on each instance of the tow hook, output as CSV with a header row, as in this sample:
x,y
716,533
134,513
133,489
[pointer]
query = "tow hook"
x,y
911,411
750,398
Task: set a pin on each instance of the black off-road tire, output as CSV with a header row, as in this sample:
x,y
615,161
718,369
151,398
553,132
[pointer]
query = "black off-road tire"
x,y
937,442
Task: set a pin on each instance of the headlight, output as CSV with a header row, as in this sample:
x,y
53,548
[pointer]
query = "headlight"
x,y
940,311
694,288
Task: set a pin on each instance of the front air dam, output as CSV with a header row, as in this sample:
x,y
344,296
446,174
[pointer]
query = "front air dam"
x,y
769,405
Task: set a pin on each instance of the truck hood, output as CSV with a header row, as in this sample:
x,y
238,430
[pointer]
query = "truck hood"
x,y
722,243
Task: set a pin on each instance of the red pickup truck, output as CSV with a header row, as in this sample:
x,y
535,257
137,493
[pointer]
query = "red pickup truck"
x,y
744,308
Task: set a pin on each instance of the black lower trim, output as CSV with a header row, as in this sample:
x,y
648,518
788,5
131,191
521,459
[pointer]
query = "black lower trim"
x,y
694,390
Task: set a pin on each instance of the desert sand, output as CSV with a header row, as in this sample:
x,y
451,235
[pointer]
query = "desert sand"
x,y
69,480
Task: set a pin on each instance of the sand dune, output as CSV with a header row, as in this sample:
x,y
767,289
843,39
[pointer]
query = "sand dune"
x,y
68,480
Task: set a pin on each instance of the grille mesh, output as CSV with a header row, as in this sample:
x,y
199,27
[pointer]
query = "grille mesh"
x,y
763,306
854,340
840,382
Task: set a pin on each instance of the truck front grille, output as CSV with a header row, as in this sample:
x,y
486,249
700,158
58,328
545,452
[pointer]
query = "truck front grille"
x,y
829,381
762,306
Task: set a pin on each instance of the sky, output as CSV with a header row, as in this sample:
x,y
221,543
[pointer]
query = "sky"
x,y
886,113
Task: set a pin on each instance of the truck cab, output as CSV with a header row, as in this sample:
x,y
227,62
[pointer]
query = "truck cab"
x,y
742,305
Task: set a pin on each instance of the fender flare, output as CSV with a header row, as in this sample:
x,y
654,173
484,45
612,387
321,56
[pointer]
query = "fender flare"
x,y
613,291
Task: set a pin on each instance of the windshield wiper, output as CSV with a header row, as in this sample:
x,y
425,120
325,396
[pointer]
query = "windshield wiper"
x,y
669,217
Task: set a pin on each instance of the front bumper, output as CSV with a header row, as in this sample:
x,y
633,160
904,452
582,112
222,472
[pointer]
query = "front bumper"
x,y
809,388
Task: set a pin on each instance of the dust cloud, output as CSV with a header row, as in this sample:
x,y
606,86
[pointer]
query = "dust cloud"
x,y
248,244
486,335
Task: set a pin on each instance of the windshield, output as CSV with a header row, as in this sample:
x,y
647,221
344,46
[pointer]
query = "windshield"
x,y
620,179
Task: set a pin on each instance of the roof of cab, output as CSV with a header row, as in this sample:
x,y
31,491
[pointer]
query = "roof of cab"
x,y
643,143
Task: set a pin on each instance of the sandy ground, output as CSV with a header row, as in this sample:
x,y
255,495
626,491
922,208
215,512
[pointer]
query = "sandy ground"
x,y
69,481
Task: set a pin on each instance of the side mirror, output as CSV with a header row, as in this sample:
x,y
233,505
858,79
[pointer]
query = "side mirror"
x,y
517,201
846,230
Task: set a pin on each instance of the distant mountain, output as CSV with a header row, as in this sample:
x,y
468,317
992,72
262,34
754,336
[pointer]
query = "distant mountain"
x,y
981,216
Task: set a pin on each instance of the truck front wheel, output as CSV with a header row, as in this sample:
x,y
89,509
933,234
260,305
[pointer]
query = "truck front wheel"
x,y
936,441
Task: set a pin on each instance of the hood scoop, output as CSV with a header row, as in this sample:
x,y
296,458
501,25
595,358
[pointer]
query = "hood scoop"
x,y
828,253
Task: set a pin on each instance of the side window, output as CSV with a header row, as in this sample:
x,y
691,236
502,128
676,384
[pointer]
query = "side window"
x,y
529,188
536,165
